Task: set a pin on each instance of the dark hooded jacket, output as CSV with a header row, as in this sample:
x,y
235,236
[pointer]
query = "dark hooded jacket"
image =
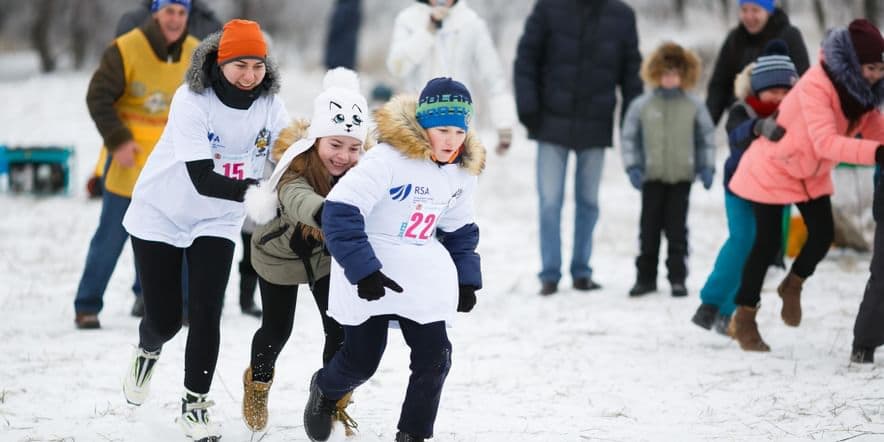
x,y
741,48
572,56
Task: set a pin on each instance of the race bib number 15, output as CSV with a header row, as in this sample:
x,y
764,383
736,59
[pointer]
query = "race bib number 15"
x,y
233,166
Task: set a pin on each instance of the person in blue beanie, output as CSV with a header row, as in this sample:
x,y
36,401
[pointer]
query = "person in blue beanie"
x,y
401,228
760,88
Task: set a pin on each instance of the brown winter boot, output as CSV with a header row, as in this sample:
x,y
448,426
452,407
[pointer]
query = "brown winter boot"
x,y
790,291
254,401
350,426
744,329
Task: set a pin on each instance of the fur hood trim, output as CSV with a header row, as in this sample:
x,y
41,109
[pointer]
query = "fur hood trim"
x,y
205,56
288,137
397,126
671,56
840,57
743,82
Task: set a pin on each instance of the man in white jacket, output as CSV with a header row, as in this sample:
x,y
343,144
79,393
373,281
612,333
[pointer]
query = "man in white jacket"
x,y
446,38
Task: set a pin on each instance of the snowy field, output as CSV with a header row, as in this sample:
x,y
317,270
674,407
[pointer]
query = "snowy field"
x,y
572,367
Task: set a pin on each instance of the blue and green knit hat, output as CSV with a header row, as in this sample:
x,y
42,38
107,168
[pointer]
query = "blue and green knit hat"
x,y
444,102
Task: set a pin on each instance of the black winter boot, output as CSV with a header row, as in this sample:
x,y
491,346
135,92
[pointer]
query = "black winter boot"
x,y
318,413
705,315
721,323
585,284
679,290
548,288
405,437
862,355
643,288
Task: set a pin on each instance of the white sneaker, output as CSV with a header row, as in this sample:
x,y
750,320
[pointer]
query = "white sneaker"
x,y
194,419
136,382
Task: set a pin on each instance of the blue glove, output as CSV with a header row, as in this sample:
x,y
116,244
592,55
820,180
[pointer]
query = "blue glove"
x,y
706,176
636,177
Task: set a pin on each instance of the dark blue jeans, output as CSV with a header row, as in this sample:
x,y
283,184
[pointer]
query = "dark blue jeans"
x,y
364,345
104,251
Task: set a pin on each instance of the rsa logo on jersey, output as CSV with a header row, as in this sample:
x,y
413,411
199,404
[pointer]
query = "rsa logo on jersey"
x,y
400,193
215,140
420,224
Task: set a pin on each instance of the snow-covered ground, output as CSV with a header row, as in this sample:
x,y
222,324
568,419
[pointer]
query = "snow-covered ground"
x,y
570,367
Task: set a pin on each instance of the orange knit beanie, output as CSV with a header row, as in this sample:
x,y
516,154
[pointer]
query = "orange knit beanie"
x,y
241,39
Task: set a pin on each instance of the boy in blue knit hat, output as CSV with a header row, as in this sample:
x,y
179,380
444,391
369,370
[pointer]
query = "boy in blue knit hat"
x,y
759,90
667,142
401,228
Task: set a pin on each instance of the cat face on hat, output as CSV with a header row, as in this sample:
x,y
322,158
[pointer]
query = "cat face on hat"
x,y
340,109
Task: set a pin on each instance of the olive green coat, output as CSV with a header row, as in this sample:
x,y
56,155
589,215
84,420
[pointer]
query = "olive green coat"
x,y
272,257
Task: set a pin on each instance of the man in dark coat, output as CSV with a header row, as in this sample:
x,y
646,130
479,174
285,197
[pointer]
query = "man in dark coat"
x,y
760,22
572,56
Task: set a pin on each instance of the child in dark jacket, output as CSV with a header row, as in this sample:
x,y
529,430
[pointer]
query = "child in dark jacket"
x,y
759,89
667,140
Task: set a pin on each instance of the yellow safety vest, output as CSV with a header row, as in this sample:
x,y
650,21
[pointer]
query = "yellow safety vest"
x,y
144,105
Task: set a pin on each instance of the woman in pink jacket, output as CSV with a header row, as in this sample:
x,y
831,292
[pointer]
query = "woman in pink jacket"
x,y
830,116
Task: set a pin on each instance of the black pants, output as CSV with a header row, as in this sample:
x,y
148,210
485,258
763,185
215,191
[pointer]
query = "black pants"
x,y
364,345
664,210
276,325
817,214
868,331
248,278
208,267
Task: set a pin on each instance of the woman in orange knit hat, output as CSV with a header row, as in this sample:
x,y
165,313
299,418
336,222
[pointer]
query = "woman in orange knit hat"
x,y
188,202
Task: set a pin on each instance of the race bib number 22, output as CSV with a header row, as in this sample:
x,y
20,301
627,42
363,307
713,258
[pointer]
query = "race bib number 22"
x,y
421,224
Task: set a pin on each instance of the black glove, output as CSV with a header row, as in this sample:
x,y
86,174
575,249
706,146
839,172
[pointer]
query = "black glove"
x,y
879,154
466,298
246,183
302,244
768,128
371,288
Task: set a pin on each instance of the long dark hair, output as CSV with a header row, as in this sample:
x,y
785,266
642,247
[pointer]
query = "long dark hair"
x,y
308,165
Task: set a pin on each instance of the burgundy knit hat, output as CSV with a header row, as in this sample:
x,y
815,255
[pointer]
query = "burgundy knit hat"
x,y
867,41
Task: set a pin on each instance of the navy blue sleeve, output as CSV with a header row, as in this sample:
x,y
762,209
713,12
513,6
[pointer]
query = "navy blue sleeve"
x,y
461,244
344,230
739,134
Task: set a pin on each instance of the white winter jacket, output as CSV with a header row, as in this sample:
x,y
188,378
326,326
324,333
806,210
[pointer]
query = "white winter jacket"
x,y
404,198
461,49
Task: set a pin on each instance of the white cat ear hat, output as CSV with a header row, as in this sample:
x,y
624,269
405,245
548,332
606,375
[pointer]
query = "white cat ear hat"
x,y
340,110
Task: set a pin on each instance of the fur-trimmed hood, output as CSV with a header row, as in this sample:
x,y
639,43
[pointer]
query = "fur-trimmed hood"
x,y
670,55
743,82
843,64
397,126
288,137
205,56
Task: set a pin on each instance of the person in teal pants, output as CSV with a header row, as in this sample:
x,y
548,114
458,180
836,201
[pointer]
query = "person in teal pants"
x,y
760,88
